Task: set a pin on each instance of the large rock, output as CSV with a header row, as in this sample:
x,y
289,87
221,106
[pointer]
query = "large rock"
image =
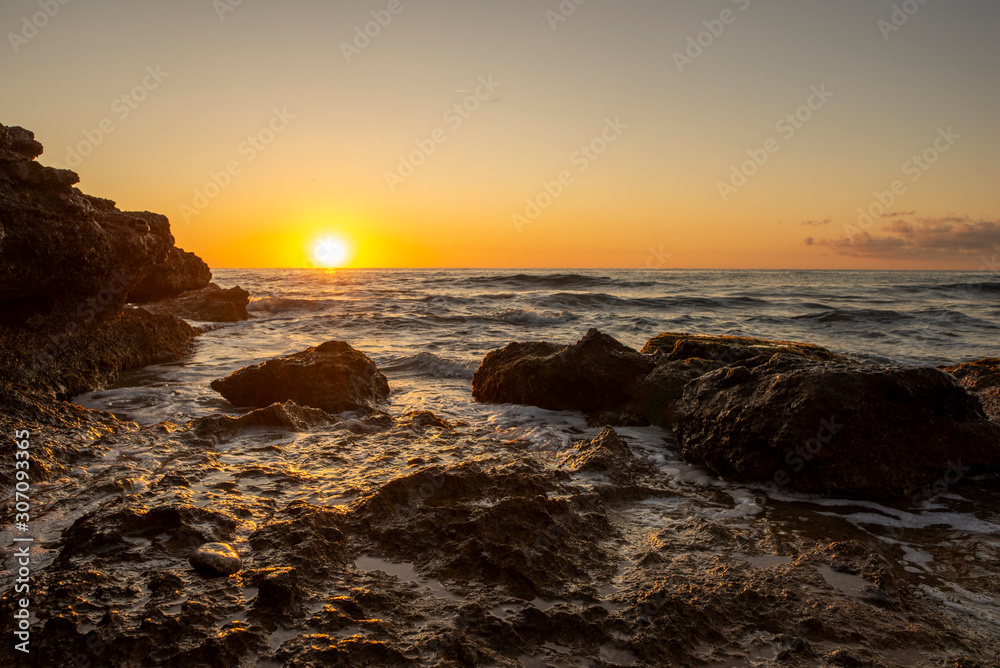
x,y
68,262
982,379
210,304
179,272
832,427
595,374
333,376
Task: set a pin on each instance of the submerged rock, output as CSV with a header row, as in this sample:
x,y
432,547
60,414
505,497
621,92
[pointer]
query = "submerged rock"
x,y
333,376
209,304
287,416
831,427
216,559
595,374
181,271
982,379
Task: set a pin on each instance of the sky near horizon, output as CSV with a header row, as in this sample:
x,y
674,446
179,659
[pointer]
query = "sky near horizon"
x,y
528,133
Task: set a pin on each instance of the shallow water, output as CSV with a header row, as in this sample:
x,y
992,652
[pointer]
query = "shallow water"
x,y
428,330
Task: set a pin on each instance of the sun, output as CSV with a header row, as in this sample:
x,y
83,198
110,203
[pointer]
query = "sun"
x,y
331,252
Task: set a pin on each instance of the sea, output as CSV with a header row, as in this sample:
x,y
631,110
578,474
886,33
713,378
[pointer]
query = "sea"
x,y
428,331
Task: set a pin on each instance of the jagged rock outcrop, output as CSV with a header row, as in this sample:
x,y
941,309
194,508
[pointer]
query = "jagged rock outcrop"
x,y
333,376
68,262
179,272
209,304
831,427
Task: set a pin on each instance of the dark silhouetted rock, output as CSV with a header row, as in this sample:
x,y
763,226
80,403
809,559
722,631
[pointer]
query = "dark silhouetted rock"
x,y
982,379
830,427
179,272
595,374
210,304
333,376
68,262
215,559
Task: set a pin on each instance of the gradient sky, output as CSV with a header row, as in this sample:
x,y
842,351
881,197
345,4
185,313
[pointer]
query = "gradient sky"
x,y
651,199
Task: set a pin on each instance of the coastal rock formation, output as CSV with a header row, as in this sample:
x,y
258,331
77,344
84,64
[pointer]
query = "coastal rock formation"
x,y
333,376
68,262
209,304
179,272
982,379
612,383
595,374
831,427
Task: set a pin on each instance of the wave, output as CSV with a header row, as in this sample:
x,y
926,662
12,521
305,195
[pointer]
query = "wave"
x,y
543,280
530,318
860,315
282,304
431,365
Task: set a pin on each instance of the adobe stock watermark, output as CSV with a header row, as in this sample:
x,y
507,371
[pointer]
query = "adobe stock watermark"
x,y
121,108
31,25
714,29
918,165
455,116
364,34
786,126
900,16
248,150
223,7
657,258
582,159
562,13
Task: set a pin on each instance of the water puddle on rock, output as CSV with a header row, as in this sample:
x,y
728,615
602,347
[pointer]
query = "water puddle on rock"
x,y
406,574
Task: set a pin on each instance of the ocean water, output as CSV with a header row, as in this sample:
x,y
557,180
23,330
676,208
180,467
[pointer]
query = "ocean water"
x,y
428,330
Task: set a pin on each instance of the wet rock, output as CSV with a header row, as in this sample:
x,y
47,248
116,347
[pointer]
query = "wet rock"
x,y
287,416
209,304
496,526
609,455
982,379
216,559
179,272
728,349
308,538
830,427
595,374
333,376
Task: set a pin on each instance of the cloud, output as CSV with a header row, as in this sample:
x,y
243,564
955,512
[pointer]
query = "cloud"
x,y
817,223
945,237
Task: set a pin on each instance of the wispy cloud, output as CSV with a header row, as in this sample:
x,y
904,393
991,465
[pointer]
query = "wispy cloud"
x,y
817,223
921,237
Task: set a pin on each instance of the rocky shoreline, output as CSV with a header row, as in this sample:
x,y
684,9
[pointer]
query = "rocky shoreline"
x,y
166,548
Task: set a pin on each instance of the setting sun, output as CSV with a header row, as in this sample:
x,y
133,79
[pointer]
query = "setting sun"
x,y
331,252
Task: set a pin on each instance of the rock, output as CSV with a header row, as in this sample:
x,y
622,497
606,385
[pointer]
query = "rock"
x,y
216,559
287,416
68,262
982,379
833,427
209,304
333,376
595,374
729,349
179,272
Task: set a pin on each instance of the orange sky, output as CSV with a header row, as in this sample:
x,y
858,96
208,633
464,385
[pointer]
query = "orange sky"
x,y
262,129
